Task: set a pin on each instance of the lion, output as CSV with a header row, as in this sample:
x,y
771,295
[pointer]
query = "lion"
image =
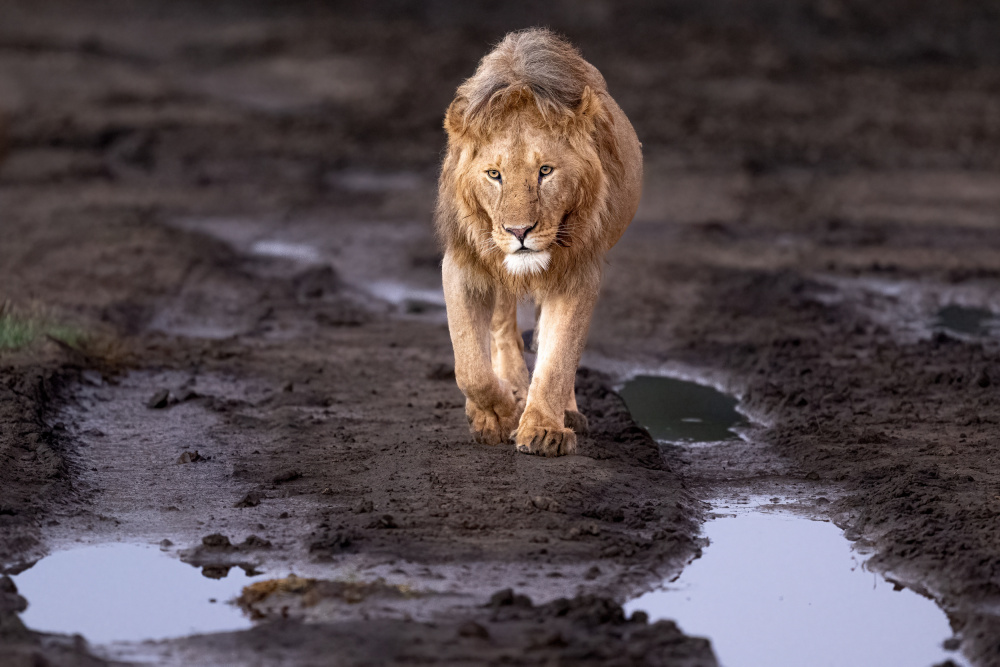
x,y
542,175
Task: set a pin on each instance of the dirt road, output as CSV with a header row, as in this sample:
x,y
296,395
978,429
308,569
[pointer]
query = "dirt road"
x,y
228,212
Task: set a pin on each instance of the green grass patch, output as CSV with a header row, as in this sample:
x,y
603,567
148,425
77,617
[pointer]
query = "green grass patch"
x,y
24,329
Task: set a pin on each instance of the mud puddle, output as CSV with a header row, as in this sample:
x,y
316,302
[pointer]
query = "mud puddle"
x,y
678,411
128,593
394,261
967,320
915,310
775,586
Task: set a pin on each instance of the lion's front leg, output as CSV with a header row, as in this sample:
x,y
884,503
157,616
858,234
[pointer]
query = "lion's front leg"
x,y
563,327
507,347
490,404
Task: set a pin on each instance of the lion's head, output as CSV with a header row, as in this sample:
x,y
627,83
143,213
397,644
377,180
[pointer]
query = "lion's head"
x,y
524,185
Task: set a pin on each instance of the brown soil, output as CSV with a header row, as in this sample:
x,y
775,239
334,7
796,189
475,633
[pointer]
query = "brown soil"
x,y
821,178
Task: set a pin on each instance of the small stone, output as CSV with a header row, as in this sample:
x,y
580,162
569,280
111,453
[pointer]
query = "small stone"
x,y
639,617
10,601
159,400
166,544
215,571
507,598
549,638
187,395
251,499
287,476
473,629
363,506
216,541
93,378
254,542
593,573
190,457
502,598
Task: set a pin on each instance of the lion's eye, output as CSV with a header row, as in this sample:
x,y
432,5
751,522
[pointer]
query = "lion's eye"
x,y
545,170
493,173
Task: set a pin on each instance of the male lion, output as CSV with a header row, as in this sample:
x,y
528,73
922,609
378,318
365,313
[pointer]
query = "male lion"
x,y
542,176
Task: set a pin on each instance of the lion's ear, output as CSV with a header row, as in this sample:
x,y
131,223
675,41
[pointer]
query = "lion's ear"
x,y
454,118
590,109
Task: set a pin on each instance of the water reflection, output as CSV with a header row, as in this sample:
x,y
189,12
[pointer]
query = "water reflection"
x,y
775,590
965,320
126,592
680,411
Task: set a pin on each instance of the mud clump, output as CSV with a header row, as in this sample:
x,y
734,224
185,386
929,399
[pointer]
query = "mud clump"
x,y
10,601
510,629
594,630
251,499
159,400
191,457
289,475
216,555
332,542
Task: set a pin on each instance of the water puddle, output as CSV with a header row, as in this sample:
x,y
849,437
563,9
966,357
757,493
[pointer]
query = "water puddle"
x,y
967,320
126,592
412,300
396,261
776,589
296,252
679,411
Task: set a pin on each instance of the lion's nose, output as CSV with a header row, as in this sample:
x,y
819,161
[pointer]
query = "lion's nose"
x,y
520,232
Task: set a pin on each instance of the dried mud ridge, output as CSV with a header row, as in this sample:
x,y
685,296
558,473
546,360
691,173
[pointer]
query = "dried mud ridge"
x,y
509,629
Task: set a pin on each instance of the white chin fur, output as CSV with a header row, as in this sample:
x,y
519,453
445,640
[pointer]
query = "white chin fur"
x,y
527,263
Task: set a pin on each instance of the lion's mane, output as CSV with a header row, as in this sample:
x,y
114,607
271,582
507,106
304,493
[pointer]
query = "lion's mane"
x,y
536,72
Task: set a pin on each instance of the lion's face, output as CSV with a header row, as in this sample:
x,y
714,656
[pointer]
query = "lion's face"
x,y
526,180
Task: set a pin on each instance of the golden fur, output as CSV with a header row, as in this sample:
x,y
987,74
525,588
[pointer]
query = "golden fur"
x,y
535,143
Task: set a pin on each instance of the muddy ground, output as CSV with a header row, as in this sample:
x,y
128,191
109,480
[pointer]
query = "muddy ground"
x,y
233,202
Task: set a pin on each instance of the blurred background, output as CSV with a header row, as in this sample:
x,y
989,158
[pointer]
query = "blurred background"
x,y
286,93
842,135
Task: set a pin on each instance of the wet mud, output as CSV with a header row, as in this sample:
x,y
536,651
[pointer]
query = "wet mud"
x,y
233,202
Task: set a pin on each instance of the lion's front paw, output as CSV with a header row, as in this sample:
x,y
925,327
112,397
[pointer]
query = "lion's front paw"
x,y
577,422
494,424
552,441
